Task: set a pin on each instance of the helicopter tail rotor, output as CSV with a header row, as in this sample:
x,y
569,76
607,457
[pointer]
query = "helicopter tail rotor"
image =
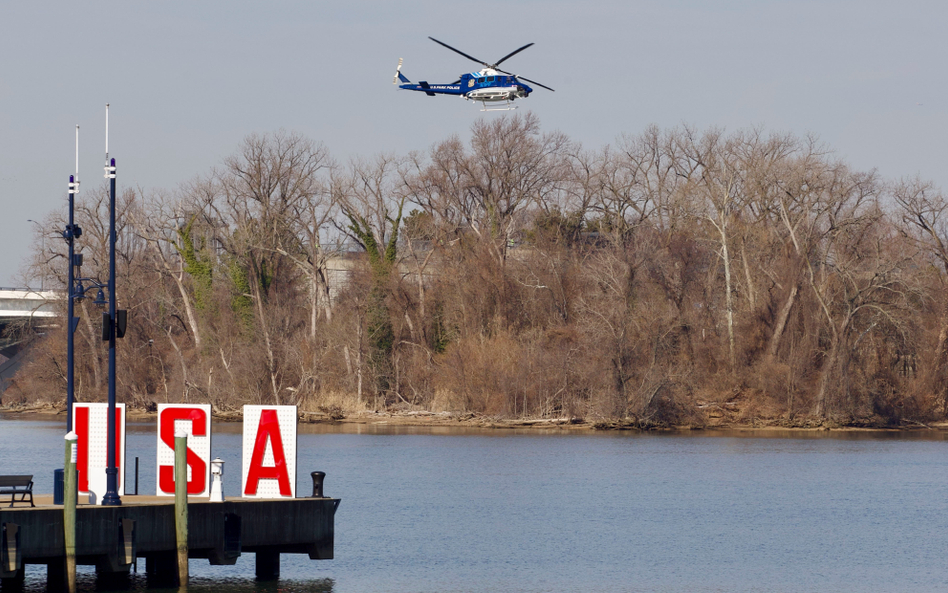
x,y
398,73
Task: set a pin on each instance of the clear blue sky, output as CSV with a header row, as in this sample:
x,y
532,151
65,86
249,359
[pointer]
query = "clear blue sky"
x,y
188,80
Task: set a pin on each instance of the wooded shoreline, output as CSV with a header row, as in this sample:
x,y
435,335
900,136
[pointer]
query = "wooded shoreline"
x,y
461,421
675,278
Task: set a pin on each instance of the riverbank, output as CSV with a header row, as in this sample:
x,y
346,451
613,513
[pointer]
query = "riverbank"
x,y
421,418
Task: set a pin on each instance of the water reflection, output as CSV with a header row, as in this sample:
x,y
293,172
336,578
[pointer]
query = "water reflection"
x,y
88,580
139,582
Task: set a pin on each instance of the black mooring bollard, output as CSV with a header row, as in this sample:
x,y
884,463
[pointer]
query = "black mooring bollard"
x,y
58,486
318,478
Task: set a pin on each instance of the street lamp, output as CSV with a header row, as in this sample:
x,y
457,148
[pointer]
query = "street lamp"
x,y
74,292
111,497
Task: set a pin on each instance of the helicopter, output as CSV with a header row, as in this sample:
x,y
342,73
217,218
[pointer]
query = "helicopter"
x,y
490,85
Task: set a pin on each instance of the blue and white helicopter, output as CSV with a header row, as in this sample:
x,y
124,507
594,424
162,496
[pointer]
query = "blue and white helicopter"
x,y
490,85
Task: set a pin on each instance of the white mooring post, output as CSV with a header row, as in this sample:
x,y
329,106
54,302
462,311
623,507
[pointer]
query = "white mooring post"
x,y
217,478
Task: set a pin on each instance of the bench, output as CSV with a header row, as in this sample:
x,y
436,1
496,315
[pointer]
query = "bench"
x,y
17,485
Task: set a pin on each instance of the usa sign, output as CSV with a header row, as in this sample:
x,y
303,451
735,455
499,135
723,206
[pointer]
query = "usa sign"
x,y
90,422
269,449
195,421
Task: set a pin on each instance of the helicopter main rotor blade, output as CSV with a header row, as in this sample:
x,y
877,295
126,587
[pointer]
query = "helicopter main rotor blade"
x,y
527,79
511,54
482,62
536,83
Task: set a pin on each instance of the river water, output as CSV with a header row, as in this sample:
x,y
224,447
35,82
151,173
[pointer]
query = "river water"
x,y
432,510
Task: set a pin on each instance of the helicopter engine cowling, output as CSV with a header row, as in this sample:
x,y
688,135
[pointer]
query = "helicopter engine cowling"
x,y
488,94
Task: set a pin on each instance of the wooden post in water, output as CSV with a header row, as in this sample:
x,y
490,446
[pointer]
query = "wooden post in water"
x,y
181,504
70,494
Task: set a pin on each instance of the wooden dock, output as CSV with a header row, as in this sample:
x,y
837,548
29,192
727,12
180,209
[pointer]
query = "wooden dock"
x,y
112,538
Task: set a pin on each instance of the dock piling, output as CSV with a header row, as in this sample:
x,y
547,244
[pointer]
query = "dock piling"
x,y
161,569
10,559
70,496
267,565
181,505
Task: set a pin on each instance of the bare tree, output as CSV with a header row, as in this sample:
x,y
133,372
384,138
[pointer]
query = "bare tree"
x,y
372,199
924,214
715,171
264,187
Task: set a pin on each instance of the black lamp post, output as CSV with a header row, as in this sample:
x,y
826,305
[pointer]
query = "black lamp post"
x,y
111,497
70,234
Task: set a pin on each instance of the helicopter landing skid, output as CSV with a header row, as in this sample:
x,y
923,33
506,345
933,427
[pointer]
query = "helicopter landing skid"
x,y
507,106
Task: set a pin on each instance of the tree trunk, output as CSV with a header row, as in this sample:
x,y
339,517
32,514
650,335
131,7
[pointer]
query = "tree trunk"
x,y
751,294
189,311
834,361
940,363
828,369
265,330
729,300
359,366
320,296
93,351
179,282
313,309
781,323
184,366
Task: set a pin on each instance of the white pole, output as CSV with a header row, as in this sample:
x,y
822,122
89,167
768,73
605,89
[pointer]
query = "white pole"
x,y
106,134
77,154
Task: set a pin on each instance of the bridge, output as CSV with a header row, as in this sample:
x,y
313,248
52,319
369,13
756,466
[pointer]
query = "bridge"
x,y
23,313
